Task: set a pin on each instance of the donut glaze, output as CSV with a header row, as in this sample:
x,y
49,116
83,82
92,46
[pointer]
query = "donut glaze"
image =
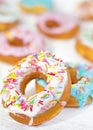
x,y
57,25
31,43
36,6
86,37
8,18
36,107
34,3
82,89
84,43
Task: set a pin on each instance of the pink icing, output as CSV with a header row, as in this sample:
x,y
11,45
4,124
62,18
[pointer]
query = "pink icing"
x,y
32,41
65,24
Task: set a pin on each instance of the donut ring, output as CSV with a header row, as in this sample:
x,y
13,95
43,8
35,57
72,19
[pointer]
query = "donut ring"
x,y
36,7
85,10
84,43
8,18
19,42
82,85
43,106
57,26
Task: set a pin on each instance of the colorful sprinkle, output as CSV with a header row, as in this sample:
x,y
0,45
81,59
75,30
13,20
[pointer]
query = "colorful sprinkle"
x,y
47,64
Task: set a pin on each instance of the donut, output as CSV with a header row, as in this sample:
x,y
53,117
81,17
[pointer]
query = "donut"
x,y
35,6
19,42
82,85
43,106
57,26
8,18
85,10
2,2
84,43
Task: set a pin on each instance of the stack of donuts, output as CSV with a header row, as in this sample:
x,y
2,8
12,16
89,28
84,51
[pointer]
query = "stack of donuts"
x,y
58,84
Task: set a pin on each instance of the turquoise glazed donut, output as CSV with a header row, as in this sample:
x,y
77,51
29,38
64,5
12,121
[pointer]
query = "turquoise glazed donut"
x,y
81,90
36,6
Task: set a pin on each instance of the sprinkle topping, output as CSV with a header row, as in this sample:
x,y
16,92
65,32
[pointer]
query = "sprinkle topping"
x,y
45,63
83,89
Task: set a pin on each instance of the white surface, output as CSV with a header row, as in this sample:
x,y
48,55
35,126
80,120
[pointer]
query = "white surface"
x,y
68,119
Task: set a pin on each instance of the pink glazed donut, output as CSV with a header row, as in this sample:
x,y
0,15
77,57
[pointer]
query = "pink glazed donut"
x,y
57,26
18,43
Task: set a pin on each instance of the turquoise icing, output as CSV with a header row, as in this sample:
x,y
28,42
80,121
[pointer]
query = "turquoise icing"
x,y
82,69
43,84
84,88
31,3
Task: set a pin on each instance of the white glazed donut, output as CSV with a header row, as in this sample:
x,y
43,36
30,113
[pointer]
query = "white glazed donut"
x,y
8,18
36,109
84,43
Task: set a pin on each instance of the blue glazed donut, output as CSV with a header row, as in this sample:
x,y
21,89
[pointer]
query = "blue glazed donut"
x,y
36,6
82,90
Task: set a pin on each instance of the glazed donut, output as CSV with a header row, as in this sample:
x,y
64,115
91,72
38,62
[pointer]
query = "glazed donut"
x,y
35,6
8,18
19,42
57,26
41,107
85,10
84,43
82,85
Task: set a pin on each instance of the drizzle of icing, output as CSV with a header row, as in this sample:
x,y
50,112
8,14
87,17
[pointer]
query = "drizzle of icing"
x,y
27,36
56,74
34,3
83,88
64,24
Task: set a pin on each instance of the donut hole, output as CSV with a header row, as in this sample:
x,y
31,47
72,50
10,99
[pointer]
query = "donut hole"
x,y
40,86
30,88
85,5
52,24
16,42
27,86
73,75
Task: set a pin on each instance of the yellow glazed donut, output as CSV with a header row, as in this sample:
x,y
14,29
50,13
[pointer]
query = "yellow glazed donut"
x,y
43,106
84,44
35,6
57,26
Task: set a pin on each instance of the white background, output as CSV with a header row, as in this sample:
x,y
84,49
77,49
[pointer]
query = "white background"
x,y
68,119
